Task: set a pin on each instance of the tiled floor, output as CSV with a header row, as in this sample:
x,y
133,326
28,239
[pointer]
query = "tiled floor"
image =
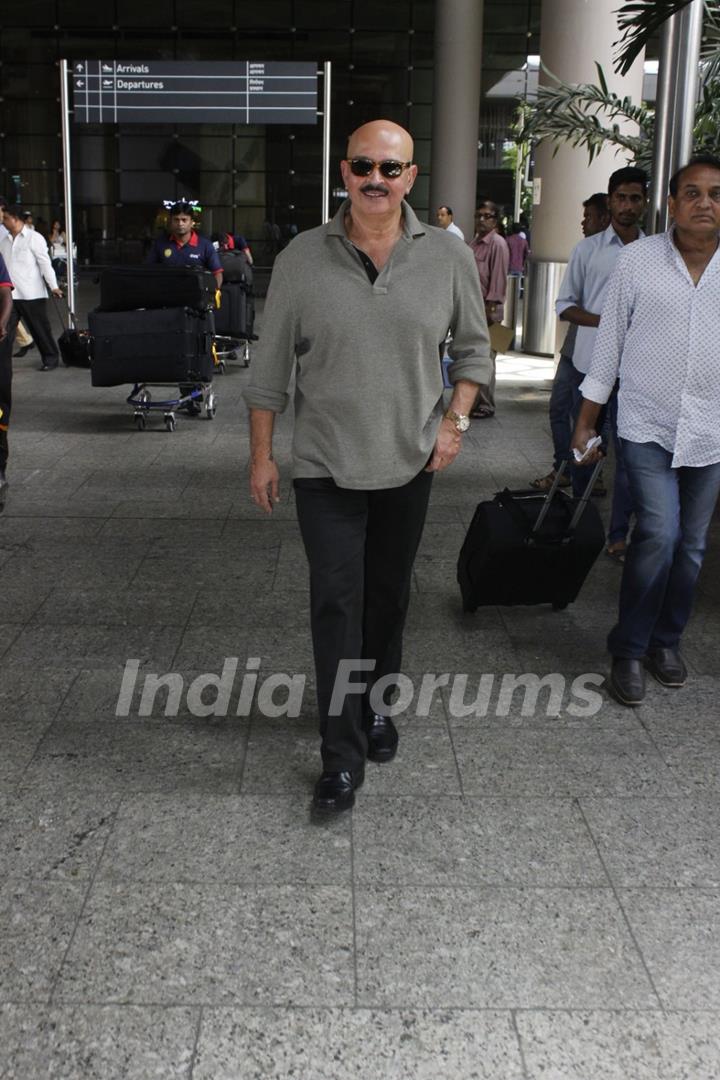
x,y
526,892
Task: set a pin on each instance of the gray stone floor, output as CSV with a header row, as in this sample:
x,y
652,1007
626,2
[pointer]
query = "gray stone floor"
x,y
516,896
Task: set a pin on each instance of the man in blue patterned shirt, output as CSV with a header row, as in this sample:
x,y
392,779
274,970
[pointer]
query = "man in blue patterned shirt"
x,y
658,333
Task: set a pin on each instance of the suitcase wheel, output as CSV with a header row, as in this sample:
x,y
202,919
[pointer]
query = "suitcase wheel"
x,y
170,421
210,406
140,421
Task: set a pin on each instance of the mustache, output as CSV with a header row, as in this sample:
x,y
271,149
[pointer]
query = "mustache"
x,y
375,187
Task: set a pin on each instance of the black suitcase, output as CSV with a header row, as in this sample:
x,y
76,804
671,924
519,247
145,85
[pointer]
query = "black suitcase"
x,y
124,288
235,315
236,267
168,345
524,547
75,348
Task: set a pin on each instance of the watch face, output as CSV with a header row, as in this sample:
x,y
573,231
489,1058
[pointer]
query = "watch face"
x,y
462,423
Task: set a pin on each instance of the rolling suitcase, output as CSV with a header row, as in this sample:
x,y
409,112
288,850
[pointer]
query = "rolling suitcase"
x,y
168,345
75,345
232,315
524,547
124,288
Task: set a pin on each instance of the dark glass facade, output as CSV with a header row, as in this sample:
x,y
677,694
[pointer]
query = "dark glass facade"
x,y
264,182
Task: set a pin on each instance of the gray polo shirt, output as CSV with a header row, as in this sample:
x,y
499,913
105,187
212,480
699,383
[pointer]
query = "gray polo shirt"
x,y
368,389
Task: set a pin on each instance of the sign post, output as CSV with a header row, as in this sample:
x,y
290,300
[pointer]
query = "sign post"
x,y
183,92
67,191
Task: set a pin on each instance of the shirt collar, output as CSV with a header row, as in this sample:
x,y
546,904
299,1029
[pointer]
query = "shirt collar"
x,y
193,241
412,226
611,237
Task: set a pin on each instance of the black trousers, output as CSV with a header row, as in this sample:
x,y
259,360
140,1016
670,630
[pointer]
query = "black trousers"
x,y
6,349
34,314
361,546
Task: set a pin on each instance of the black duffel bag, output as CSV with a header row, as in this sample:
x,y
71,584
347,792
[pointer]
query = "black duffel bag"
x,y
75,348
236,267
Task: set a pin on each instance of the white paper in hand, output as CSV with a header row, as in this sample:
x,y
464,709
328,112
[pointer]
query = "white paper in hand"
x,y
589,447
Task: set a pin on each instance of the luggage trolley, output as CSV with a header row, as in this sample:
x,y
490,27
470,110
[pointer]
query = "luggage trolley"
x,y
167,343
235,317
202,396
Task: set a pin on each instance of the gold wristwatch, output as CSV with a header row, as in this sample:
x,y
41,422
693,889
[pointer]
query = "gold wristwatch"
x,y
461,422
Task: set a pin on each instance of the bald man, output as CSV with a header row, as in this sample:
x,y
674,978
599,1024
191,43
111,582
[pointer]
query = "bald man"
x,y
359,309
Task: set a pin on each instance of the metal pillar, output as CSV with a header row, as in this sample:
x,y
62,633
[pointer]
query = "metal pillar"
x,y
677,94
327,84
67,188
456,107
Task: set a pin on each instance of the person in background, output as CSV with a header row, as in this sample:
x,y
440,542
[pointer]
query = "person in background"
x,y
8,318
492,259
519,250
595,219
26,257
230,242
582,294
445,221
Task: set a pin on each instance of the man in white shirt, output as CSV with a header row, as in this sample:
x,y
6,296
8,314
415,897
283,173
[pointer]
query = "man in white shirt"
x,y
26,255
658,332
445,221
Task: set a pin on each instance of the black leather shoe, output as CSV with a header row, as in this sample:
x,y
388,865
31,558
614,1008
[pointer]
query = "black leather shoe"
x,y
48,367
627,680
335,791
25,349
382,737
667,666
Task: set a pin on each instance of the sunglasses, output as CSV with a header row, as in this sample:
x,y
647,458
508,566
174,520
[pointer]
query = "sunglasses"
x,y
363,166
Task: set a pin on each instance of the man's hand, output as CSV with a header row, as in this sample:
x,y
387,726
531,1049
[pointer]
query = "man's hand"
x,y
447,447
57,292
264,483
581,437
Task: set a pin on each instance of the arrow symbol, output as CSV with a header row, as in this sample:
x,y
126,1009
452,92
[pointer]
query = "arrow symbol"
x,y
79,84
79,67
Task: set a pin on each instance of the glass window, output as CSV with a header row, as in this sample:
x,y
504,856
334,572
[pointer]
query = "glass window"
x,y
269,14
141,13
212,13
82,13
317,14
38,13
32,151
22,46
379,15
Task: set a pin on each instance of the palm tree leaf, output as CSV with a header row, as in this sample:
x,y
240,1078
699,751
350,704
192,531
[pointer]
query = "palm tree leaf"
x,y
638,21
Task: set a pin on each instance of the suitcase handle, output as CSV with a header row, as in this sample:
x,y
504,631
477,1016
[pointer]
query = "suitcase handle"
x,y
507,500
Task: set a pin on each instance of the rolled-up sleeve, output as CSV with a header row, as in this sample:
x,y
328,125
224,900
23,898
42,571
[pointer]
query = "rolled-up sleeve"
x,y
571,288
609,341
469,349
275,354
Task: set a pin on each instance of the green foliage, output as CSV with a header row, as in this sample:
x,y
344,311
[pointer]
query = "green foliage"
x,y
587,115
638,21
